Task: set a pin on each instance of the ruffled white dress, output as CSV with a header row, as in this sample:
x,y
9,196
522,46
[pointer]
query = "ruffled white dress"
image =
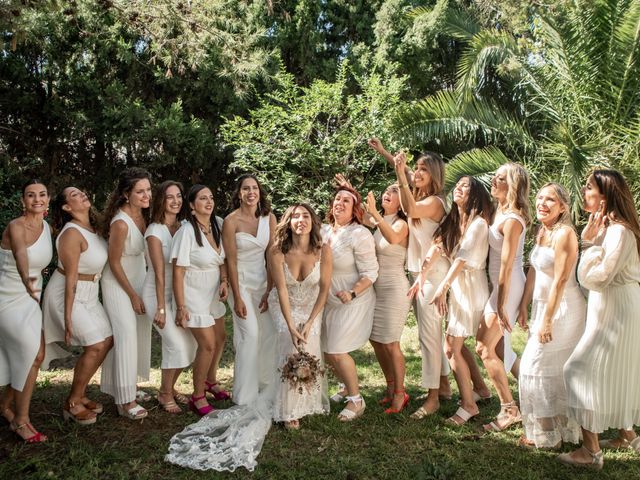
x,y
289,403
430,336
470,289
392,285
601,376
89,321
516,286
20,315
347,327
543,397
253,336
201,278
178,345
130,358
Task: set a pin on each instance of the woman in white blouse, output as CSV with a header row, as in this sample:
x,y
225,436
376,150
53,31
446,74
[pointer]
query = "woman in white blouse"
x,y
348,315
178,345
200,286
603,385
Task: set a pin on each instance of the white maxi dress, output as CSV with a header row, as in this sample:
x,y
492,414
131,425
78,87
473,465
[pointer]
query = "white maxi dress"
x,y
601,376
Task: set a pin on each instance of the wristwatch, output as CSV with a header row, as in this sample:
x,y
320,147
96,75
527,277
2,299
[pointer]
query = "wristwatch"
x,y
161,311
353,294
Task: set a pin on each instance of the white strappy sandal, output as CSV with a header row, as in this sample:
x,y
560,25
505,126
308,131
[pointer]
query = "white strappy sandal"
x,y
347,415
136,413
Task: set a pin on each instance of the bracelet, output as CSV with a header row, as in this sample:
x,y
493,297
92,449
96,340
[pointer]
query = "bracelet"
x,y
224,280
404,185
353,294
181,307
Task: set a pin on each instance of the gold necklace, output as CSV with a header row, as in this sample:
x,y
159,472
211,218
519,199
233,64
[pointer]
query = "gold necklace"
x,y
204,229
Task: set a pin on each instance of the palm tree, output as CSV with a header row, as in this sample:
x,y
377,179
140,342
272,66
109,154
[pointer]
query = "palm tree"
x,y
561,101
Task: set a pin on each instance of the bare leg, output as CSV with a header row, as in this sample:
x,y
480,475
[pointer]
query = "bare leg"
x,y
23,398
221,337
479,385
346,371
398,371
205,337
385,364
7,403
462,374
86,366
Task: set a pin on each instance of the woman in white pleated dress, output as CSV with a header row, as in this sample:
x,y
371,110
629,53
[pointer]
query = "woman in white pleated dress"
x,y
178,345
392,303
557,323
463,237
247,234
126,218
301,267
200,286
603,385
72,310
425,209
510,188
348,315
25,251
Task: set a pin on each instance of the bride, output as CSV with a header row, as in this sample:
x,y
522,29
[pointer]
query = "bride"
x,y
232,438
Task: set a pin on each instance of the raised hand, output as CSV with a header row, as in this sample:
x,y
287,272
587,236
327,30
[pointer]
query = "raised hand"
x,y
342,181
376,144
370,204
596,220
400,161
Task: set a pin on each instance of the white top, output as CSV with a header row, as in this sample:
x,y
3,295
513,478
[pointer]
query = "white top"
x,y
474,245
39,255
162,233
94,258
189,254
420,239
496,239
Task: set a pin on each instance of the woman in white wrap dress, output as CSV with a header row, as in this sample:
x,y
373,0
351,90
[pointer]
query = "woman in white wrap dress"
x,y
247,233
603,385
25,250
126,219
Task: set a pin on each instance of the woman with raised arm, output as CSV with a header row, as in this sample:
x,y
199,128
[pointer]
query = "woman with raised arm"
x,y
510,188
247,233
72,310
348,316
25,251
178,345
392,303
200,286
301,268
126,219
603,386
463,238
425,208
557,323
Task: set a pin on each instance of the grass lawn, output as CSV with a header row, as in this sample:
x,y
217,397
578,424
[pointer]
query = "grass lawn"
x,y
376,446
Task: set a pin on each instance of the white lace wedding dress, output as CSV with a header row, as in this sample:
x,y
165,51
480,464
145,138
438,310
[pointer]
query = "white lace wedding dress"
x,y
228,439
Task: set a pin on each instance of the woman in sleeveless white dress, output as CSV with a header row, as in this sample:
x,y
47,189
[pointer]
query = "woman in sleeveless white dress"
x,y
121,283
24,252
392,303
348,315
198,267
72,310
557,323
247,233
463,237
178,345
301,268
510,187
603,386
425,209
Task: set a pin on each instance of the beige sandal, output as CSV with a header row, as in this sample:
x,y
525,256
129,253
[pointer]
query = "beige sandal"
x,y
620,443
504,419
596,463
347,415
462,414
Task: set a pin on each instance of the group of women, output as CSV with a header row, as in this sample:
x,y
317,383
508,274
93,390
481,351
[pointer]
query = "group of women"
x,y
329,289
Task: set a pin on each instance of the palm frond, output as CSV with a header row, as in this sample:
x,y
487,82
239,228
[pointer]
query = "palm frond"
x,y
480,163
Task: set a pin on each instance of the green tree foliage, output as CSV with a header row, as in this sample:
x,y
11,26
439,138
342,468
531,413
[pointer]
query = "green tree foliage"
x,y
561,101
298,138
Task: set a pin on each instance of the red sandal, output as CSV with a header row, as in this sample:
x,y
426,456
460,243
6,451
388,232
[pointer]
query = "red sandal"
x,y
37,437
202,411
217,394
405,401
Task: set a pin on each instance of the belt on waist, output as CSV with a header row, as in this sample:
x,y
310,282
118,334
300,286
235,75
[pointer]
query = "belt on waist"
x,y
84,277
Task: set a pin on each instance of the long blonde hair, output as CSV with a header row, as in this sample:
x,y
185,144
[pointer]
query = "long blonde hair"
x,y
565,217
518,191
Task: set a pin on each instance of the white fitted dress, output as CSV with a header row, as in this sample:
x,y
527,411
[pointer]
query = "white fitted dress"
x,y
89,321
391,287
347,327
470,289
254,337
201,277
291,404
601,376
434,360
129,359
20,314
178,345
543,398
516,286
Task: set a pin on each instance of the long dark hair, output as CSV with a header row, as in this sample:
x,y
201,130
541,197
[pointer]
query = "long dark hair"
x,y
60,217
283,236
478,204
191,218
126,181
619,205
264,206
159,197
